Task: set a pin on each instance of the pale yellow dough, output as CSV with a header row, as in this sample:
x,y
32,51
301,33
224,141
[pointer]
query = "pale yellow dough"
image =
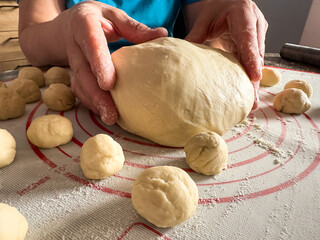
x,y
207,153
300,84
58,75
12,105
270,77
165,196
291,100
7,148
168,90
58,97
50,131
13,225
101,157
34,74
27,89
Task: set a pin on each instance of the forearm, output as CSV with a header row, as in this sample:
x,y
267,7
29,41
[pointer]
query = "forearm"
x,y
40,31
43,43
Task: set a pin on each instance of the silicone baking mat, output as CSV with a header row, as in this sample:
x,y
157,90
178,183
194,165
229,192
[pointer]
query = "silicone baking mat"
x,y
269,191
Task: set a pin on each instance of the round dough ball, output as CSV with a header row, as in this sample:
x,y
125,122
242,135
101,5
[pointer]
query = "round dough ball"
x,y
291,100
300,84
34,74
101,157
270,77
27,89
12,105
50,131
7,148
3,85
168,90
58,97
13,225
165,196
58,75
207,153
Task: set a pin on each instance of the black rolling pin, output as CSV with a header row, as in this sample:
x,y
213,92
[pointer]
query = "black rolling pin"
x,y
301,53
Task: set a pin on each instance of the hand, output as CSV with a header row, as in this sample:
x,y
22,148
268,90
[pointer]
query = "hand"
x,y
89,26
240,28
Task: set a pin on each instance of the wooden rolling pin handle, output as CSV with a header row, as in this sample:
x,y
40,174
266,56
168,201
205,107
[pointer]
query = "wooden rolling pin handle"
x,y
301,53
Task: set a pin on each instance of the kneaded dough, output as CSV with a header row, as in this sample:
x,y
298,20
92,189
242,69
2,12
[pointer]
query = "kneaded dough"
x,y
300,84
168,90
12,105
3,85
13,225
58,75
27,89
50,131
58,97
165,196
291,100
7,148
101,157
270,77
207,153
34,74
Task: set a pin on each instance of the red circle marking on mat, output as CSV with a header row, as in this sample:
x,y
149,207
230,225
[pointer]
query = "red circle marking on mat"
x,y
279,187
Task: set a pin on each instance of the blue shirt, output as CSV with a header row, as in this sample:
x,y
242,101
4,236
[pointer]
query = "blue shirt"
x,y
153,13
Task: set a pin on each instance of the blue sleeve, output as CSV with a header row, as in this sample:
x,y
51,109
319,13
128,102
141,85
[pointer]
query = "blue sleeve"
x,y
186,2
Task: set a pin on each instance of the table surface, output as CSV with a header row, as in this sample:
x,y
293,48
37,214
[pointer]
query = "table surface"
x,y
269,191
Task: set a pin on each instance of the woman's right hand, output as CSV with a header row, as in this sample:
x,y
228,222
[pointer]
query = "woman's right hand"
x,y
82,35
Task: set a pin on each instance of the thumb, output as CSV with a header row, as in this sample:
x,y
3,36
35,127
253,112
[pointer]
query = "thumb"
x,y
134,31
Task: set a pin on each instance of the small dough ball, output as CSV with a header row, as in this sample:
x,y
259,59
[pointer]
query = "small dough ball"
x,y
101,157
291,100
12,105
7,148
34,74
58,97
165,196
3,85
300,84
207,153
50,131
27,89
270,77
58,75
13,224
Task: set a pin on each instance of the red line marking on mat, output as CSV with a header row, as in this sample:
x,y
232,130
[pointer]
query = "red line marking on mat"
x,y
76,114
64,152
291,70
143,225
98,187
96,122
33,186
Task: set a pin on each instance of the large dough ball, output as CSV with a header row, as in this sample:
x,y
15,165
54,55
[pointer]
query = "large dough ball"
x,y
168,90
58,97
3,85
270,77
12,104
101,157
13,225
50,131
27,89
207,153
7,148
291,100
34,74
165,196
58,75
300,84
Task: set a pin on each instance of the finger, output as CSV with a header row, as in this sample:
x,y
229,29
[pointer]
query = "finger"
x,y
244,34
256,86
200,29
130,29
91,39
86,88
